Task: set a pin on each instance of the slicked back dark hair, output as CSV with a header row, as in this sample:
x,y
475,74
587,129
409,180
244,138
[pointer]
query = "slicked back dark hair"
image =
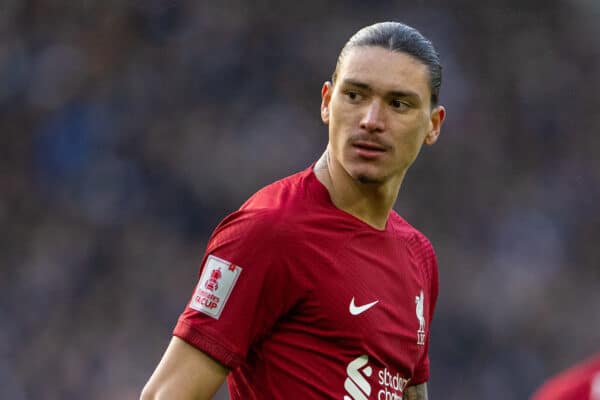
x,y
399,37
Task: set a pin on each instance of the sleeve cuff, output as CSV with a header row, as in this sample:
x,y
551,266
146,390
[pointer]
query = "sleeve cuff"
x,y
206,342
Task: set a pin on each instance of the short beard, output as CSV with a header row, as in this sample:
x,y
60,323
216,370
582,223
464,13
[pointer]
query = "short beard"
x,y
368,180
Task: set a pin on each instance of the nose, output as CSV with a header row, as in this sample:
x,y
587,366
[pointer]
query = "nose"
x,y
373,120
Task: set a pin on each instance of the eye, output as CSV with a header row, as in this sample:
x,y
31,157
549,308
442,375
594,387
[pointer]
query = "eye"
x,y
399,104
353,96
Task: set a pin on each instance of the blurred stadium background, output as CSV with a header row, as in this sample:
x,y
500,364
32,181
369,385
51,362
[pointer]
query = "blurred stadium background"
x,y
129,129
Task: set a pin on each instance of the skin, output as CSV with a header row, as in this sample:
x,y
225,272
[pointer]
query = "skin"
x,y
418,392
184,373
380,102
379,115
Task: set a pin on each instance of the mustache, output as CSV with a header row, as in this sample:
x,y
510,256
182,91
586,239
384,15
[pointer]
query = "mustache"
x,y
368,139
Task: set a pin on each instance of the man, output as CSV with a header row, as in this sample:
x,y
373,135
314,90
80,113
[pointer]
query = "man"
x,y
580,382
315,288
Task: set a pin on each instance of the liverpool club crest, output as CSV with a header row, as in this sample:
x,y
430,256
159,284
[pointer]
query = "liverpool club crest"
x,y
419,300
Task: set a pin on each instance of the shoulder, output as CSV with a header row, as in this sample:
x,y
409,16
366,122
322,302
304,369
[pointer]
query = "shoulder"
x,y
416,241
267,211
576,382
280,195
420,251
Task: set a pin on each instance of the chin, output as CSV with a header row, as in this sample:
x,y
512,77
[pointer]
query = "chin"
x,y
363,175
369,179
373,173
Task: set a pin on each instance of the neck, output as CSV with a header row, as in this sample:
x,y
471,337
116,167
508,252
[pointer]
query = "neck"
x,y
369,202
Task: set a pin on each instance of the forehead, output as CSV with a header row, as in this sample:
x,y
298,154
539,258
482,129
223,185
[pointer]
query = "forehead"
x,y
385,70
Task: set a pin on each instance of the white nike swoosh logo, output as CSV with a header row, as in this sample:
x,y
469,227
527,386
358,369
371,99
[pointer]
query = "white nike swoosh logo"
x,y
355,310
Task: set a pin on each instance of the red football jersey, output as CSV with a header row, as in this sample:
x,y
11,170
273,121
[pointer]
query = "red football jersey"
x,y
581,382
303,300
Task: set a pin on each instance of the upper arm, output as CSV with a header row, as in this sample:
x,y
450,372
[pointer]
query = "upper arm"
x,y
417,392
184,373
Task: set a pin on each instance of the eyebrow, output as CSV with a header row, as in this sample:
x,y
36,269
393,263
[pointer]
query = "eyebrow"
x,y
392,93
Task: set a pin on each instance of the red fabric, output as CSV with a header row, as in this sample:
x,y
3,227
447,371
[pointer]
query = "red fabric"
x,y
580,382
286,330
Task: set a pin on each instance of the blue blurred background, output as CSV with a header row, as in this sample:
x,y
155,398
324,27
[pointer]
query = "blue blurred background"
x,y
129,129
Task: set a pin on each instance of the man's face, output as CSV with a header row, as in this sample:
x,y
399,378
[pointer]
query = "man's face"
x,y
379,113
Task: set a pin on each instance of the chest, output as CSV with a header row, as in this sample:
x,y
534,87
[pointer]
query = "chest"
x,y
370,296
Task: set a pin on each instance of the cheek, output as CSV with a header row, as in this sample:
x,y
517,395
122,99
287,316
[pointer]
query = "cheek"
x,y
340,123
344,112
410,139
416,130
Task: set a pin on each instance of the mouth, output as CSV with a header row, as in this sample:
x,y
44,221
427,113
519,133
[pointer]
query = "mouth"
x,y
367,149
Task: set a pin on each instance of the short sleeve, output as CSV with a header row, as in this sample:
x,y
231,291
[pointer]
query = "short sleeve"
x,y
246,284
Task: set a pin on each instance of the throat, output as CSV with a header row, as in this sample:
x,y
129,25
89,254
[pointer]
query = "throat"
x,y
367,200
375,219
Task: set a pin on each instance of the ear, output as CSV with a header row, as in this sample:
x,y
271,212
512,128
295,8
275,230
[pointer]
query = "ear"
x,y
326,91
435,124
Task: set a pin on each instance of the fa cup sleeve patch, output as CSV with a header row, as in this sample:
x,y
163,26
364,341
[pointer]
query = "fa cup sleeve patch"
x,y
215,285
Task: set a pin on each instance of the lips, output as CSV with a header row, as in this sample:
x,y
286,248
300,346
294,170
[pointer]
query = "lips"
x,y
368,145
368,150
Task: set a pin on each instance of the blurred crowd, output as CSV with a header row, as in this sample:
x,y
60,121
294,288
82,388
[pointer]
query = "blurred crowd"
x,y
128,129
